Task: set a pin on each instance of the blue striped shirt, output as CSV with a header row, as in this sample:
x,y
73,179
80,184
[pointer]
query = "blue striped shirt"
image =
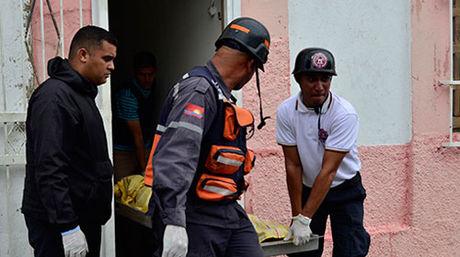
x,y
127,108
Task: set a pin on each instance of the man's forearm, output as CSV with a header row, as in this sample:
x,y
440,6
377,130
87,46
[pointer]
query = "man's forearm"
x,y
294,183
140,154
140,151
323,182
318,192
136,132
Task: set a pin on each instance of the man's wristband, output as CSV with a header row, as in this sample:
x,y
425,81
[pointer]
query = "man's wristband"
x,y
70,231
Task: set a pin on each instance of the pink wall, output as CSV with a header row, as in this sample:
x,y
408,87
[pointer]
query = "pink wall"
x,y
411,209
71,25
412,205
261,196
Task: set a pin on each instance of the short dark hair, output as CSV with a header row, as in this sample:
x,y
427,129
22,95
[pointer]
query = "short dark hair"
x,y
89,37
144,59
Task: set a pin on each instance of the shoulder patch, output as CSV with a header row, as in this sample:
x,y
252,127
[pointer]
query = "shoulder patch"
x,y
194,110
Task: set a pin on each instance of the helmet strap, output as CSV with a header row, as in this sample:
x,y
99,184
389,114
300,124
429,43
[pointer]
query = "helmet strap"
x,y
262,118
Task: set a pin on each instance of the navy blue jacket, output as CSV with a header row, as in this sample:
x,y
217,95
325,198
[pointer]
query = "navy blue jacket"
x,y
68,172
180,152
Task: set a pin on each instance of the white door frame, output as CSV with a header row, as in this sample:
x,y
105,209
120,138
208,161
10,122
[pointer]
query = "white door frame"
x,y
100,17
232,10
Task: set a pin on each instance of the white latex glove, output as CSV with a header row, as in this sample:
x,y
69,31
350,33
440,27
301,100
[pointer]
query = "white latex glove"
x,y
300,230
74,242
175,241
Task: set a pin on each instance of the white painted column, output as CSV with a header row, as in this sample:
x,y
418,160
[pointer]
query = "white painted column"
x,y
99,15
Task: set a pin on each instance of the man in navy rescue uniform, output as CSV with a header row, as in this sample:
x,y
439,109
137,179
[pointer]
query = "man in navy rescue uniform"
x,y
199,156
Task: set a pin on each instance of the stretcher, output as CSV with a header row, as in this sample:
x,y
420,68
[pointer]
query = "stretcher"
x,y
133,214
282,247
273,248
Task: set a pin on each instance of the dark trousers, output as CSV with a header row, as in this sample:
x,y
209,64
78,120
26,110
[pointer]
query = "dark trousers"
x,y
344,205
132,239
47,241
208,241
211,241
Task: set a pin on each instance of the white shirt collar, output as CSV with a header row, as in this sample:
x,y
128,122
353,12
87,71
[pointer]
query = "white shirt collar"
x,y
300,106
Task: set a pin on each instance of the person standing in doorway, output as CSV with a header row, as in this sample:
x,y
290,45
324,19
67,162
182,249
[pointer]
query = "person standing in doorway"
x,y
318,130
135,118
68,184
199,158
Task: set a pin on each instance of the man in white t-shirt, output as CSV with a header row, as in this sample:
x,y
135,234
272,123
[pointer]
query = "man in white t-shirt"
x,y
318,131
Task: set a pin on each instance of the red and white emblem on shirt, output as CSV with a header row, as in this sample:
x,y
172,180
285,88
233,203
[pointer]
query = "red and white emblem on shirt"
x,y
319,60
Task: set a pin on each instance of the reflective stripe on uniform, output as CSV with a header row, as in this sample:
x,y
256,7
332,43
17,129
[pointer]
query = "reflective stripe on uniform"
x,y
175,90
161,128
220,95
218,190
229,161
186,125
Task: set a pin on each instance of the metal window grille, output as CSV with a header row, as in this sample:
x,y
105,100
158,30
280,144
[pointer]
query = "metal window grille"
x,y
12,115
456,60
31,32
454,82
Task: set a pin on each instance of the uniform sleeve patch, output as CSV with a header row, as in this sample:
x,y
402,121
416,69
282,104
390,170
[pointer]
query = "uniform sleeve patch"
x,y
194,110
